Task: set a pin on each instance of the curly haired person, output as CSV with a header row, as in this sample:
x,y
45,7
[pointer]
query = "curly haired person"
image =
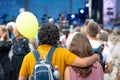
x,y
48,36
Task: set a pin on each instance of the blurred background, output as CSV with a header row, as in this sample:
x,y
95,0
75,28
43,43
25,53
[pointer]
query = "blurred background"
x,y
76,12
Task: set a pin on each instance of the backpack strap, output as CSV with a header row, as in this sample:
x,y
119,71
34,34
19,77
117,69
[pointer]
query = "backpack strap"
x,y
37,56
49,57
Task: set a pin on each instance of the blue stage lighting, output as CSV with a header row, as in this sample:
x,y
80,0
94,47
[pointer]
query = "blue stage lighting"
x,y
82,11
73,16
87,5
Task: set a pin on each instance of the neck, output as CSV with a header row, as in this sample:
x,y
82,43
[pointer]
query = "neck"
x,y
92,38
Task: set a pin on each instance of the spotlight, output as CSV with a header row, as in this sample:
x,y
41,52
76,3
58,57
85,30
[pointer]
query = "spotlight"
x,y
87,5
82,11
73,16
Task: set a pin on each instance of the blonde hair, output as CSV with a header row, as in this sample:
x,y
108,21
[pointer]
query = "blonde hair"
x,y
114,37
3,28
17,34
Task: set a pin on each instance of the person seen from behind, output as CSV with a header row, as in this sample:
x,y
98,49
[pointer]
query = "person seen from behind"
x,y
5,46
48,36
80,46
20,47
92,30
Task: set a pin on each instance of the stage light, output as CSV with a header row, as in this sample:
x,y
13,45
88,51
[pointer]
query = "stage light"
x,y
87,5
82,11
73,16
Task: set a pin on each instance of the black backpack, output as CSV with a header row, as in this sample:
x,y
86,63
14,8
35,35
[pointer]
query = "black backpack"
x,y
99,52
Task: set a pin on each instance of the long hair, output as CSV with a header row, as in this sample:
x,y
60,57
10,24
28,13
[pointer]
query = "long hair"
x,y
17,34
3,28
80,46
48,34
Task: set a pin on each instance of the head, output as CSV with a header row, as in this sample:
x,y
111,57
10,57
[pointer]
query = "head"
x,y
3,30
83,30
10,26
114,37
87,21
92,29
48,34
79,45
12,19
51,20
16,32
77,29
103,36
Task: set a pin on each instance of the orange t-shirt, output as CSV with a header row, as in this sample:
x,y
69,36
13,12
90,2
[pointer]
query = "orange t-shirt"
x,y
61,57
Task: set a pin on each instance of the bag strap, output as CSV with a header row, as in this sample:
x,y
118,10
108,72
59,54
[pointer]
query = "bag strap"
x,y
37,56
49,57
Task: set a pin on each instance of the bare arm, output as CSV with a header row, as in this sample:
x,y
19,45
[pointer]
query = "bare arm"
x,y
22,78
67,73
109,67
84,62
33,42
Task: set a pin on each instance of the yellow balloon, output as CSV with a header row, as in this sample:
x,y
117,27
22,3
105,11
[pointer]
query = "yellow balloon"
x,y
27,24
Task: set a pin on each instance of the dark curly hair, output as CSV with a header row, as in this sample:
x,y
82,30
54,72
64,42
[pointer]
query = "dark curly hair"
x,y
48,34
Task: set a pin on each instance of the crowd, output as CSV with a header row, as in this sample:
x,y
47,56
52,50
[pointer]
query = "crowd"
x,y
74,54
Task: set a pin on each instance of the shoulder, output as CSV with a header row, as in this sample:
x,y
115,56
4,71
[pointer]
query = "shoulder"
x,y
25,40
106,50
95,44
63,51
13,40
2,43
102,42
97,66
65,54
29,56
68,56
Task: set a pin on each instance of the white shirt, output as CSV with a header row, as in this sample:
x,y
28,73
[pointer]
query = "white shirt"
x,y
106,52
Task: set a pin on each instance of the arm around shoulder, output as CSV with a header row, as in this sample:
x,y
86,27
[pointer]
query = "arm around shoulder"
x,y
84,62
